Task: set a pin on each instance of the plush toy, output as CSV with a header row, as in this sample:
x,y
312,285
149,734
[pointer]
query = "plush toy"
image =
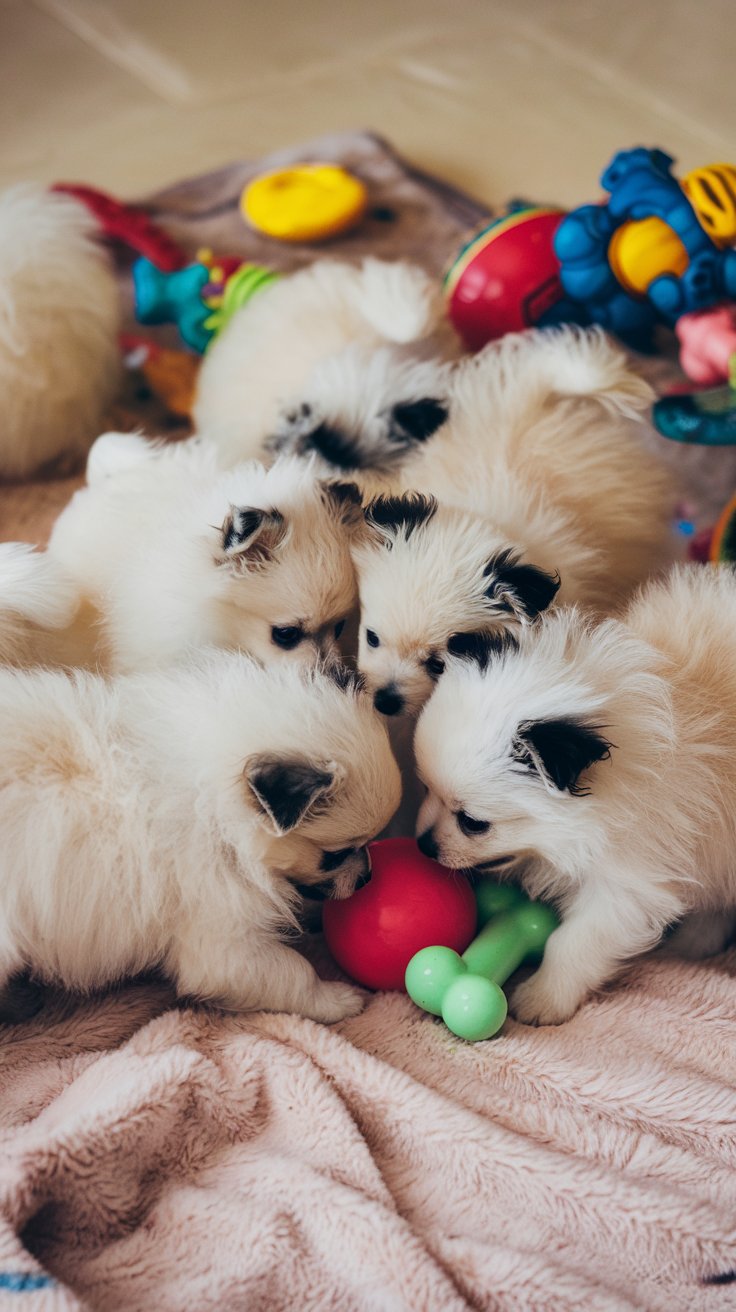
x,y
408,902
466,990
59,320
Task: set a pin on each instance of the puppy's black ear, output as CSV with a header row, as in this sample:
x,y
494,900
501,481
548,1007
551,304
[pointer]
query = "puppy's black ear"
x,y
561,750
518,588
415,421
249,536
389,516
286,788
344,500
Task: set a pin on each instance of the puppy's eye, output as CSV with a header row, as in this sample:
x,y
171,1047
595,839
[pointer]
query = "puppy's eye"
x,y
333,860
435,666
372,638
469,825
286,636
339,628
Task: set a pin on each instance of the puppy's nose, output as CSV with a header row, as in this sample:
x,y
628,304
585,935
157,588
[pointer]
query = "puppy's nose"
x,y
388,700
428,844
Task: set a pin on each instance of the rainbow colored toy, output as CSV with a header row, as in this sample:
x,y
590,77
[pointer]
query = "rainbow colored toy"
x,y
200,298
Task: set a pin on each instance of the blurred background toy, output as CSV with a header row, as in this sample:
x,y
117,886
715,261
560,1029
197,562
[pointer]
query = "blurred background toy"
x,y
466,990
507,277
304,203
654,249
408,902
199,298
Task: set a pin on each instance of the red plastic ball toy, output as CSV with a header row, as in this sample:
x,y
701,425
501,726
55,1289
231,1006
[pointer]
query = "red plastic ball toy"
x,y
410,902
506,278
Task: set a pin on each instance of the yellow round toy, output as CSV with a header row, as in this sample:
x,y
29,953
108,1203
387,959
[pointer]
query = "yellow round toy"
x,y
309,202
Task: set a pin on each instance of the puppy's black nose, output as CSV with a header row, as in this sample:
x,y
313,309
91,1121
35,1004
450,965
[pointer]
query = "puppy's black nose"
x,y
428,844
388,700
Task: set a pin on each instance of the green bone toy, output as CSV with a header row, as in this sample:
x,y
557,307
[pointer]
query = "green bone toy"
x,y
465,990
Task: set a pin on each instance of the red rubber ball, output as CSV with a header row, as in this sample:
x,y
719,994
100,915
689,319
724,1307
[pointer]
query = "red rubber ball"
x,y
410,902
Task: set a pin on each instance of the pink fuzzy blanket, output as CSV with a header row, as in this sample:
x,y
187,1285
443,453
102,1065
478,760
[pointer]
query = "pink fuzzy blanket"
x,y
172,1159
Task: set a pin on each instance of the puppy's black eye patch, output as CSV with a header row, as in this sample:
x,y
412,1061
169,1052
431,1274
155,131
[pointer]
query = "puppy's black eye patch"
x,y
481,647
470,826
334,446
333,860
339,628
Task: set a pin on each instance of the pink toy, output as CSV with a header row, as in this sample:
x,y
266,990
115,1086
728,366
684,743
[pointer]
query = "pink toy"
x,y
408,903
708,344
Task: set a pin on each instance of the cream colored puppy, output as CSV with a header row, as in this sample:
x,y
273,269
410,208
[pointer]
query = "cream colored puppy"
x,y
59,323
329,361
538,481
594,762
172,819
175,554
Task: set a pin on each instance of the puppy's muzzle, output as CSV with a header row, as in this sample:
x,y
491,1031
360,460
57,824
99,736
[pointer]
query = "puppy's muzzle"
x,y
388,700
352,875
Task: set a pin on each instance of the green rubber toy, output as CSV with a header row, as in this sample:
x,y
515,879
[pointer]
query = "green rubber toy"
x,y
466,990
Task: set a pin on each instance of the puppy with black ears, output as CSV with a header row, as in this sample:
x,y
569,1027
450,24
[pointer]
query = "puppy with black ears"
x,y
173,819
175,554
537,474
322,360
594,763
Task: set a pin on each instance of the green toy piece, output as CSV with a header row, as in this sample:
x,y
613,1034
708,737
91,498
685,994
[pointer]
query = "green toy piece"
x,y
466,990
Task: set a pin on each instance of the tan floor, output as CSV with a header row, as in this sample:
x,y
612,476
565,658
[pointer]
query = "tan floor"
x,y
503,97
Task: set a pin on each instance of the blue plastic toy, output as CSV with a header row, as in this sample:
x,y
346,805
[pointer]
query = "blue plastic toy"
x,y
658,248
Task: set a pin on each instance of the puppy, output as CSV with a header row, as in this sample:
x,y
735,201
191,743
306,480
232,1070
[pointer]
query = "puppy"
x,y
59,321
595,764
38,606
175,554
539,475
171,819
293,369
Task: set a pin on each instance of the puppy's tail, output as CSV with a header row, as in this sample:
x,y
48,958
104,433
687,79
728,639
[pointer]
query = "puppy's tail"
x,y
33,590
112,453
399,300
526,371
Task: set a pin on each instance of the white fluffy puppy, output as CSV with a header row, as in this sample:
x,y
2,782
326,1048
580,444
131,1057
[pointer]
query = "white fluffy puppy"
x,y
267,382
175,554
171,819
540,474
595,763
38,603
59,319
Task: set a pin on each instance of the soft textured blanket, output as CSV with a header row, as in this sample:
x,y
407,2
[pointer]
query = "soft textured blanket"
x,y
156,1157
168,1159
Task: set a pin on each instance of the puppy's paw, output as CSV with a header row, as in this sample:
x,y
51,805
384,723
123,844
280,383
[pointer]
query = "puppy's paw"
x,y
334,1002
535,1003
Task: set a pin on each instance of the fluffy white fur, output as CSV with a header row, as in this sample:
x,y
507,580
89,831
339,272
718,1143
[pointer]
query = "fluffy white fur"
x,y
270,358
540,454
59,318
175,554
641,836
162,819
38,602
